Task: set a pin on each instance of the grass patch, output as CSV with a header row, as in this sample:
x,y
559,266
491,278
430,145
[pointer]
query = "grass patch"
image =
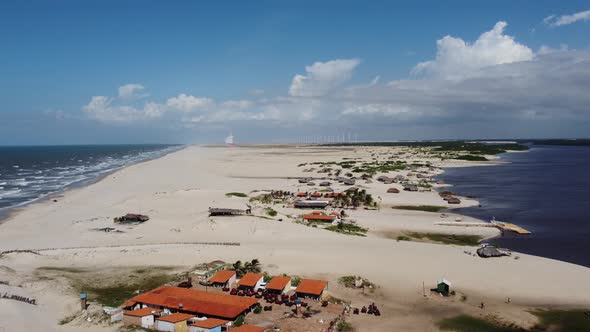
x,y
67,320
427,208
470,157
562,320
465,323
549,320
236,194
350,282
121,290
460,240
348,229
62,269
271,212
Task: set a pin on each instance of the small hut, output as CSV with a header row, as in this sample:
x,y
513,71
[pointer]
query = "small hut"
x,y
393,190
410,187
443,286
349,182
453,200
131,218
325,184
304,180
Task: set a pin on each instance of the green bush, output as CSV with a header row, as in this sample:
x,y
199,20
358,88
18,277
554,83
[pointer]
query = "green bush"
x,y
239,321
236,194
271,212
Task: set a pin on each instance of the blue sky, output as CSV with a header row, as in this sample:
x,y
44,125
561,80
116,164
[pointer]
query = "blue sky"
x,y
57,55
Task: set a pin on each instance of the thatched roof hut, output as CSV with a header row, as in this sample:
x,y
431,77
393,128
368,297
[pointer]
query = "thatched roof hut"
x,y
382,178
490,251
349,182
393,190
410,187
453,200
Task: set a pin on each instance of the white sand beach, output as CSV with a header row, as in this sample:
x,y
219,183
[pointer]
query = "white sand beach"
x,y
176,192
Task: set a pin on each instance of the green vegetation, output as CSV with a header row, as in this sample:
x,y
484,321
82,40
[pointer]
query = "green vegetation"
x,y
474,148
355,197
349,282
62,269
239,321
470,157
403,238
465,323
295,281
380,167
251,266
236,194
270,211
460,240
566,142
67,319
562,320
549,320
258,309
348,229
427,208
344,326
122,289
264,199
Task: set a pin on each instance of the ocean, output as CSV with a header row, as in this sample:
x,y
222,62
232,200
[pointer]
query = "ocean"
x,y
30,173
545,190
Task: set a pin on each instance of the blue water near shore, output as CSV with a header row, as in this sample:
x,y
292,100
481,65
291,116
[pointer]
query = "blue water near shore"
x,y
545,190
29,173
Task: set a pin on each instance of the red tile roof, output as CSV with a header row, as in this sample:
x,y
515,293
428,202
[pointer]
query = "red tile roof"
x,y
313,287
248,328
222,276
209,323
195,301
175,317
127,304
316,194
318,217
250,279
301,194
278,283
141,312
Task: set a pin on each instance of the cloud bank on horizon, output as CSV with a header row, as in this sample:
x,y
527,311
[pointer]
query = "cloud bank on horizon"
x,y
494,80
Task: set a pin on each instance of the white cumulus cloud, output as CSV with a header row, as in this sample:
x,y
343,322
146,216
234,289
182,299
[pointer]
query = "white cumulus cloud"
x,y
556,21
456,58
322,77
188,103
131,91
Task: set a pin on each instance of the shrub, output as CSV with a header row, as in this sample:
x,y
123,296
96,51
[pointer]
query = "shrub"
x,y
236,194
239,321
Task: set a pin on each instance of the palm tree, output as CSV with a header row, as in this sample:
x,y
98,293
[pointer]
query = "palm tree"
x,y
238,268
255,266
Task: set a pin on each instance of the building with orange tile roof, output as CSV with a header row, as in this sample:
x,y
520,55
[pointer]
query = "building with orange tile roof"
x,y
196,302
248,328
251,281
207,325
319,217
309,288
279,285
223,278
143,317
176,322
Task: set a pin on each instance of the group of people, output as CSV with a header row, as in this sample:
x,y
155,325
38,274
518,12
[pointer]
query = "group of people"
x,y
19,298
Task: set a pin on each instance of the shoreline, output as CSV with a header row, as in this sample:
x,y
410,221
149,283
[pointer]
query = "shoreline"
x,y
181,186
7,213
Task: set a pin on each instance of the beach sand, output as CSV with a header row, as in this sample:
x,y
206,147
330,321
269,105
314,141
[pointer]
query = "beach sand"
x,y
176,192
